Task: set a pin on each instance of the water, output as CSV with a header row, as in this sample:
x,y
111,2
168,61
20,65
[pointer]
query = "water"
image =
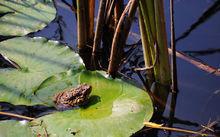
x,y
199,92
199,98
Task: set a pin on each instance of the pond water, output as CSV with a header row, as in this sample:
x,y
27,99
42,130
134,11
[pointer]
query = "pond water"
x,y
199,97
199,92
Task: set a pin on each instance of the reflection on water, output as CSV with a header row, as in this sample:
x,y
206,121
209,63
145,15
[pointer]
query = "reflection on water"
x,y
211,11
197,25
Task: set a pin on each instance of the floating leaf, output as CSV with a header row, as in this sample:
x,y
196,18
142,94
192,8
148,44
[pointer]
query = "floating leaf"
x,y
12,128
115,108
21,17
38,60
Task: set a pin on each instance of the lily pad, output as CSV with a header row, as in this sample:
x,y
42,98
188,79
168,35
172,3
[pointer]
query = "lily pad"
x,y
115,108
12,128
38,59
21,17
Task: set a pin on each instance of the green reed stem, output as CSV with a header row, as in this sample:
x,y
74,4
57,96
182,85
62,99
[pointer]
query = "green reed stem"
x,y
153,16
162,69
146,49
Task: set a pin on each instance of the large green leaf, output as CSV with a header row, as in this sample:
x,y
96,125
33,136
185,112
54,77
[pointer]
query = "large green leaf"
x,y
25,16
38,59
115,108
15,129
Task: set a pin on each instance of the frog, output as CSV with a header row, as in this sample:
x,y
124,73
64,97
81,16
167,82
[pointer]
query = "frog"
x,y
72,97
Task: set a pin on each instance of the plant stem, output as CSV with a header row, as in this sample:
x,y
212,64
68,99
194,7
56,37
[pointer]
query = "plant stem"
x,y
147,12
154,26
118,10
159,126
116,51
91,6
110,11
146,50
173,66
198,64
16,115
81,24
162,69
173,47
99,26
130,17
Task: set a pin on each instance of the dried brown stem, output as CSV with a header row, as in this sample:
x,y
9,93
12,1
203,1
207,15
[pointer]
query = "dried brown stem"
x,y
91,7
118,10
110,12
198,64
81,24
16,115
130,17
160,126
174,86
115,58
173,47
208,127
201,65
99,26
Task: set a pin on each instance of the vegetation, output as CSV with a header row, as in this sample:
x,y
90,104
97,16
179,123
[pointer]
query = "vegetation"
x,y
43,67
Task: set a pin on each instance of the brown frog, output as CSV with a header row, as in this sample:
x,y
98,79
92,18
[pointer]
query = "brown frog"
x,y
72,97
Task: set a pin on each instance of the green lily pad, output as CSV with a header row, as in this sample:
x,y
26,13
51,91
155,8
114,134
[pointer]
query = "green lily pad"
x,y
25,16
115,108
12,128
38,59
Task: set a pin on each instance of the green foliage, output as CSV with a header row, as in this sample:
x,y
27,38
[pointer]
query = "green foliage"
x,y
153,33
38,59
25,16
15,129
115,108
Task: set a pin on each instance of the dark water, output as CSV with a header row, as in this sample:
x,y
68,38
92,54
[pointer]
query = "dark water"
x,y
199,92
199,97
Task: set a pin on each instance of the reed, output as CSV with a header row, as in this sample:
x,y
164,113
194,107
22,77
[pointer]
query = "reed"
x,y
116,20
99,27
155,49
91,12
146,50
81,24
152,24
120,36
85,29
